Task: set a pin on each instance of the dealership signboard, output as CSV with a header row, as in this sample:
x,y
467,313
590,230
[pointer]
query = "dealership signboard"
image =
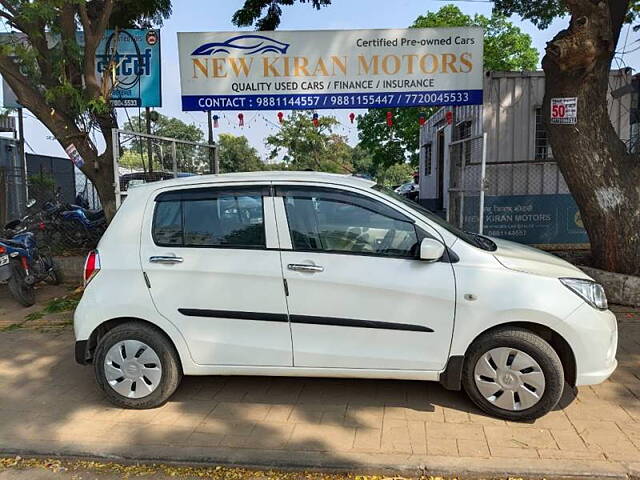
x,y
284,70
136,56
532,219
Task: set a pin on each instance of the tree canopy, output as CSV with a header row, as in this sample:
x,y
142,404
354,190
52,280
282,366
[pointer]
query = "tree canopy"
x,y
58,80
542,12
506,47
236,155
266,14
304,146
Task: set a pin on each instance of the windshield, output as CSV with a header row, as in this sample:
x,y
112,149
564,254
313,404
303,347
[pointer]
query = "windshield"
x,y
472,238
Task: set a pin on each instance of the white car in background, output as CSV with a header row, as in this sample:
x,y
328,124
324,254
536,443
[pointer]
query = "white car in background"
x,y
309,274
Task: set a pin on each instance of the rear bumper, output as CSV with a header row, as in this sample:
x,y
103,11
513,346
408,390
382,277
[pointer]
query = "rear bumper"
x,y
82,352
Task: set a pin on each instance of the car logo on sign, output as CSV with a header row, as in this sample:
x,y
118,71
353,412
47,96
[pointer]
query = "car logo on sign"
x,y
246,44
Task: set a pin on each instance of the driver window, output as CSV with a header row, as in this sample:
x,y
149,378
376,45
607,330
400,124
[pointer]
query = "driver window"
x,y
333,224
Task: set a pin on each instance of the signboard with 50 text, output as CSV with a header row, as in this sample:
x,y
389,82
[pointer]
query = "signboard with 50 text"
x,y
285,70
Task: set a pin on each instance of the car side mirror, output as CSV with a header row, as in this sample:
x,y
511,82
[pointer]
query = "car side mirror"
x,y
431,250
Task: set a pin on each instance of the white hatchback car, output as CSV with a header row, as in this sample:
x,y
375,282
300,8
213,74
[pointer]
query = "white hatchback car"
x,y
309,274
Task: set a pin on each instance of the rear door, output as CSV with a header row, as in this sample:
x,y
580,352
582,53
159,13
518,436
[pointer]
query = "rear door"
x,y
211,257
359,298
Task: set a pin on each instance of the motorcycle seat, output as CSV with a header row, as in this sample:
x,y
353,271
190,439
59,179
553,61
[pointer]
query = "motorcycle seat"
x,y
93,215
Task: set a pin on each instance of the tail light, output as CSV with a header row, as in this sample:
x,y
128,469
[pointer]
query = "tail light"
x,y
3,250
91,266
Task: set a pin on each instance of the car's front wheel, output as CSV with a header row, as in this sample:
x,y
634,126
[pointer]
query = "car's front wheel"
x,y
136,366
514,374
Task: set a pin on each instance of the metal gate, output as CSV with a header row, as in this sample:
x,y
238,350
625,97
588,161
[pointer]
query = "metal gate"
x,y
467,164
141,158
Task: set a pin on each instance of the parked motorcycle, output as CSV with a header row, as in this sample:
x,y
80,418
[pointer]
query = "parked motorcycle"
x,y
82,225
22,266
61,224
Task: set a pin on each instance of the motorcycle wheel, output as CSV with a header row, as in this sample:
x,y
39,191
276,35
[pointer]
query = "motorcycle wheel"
x,y
23,293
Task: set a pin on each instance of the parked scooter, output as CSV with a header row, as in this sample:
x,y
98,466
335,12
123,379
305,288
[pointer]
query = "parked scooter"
x,y
22,266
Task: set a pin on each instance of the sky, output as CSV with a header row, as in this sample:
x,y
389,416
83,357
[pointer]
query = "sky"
x,y
215,15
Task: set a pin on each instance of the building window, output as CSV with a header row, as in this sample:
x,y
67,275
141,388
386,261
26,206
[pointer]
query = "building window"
x,y
428,161
463,131
543,150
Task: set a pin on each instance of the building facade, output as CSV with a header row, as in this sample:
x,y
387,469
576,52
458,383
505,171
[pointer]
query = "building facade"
x,y
526,197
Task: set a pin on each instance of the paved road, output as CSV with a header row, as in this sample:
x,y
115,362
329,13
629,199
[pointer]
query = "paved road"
x,y
49,404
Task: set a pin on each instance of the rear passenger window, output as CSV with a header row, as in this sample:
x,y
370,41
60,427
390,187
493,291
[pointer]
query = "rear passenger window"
x,y
201,218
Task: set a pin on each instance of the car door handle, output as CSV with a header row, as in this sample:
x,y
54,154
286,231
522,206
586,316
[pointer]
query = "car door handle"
x,y
303,267
168,259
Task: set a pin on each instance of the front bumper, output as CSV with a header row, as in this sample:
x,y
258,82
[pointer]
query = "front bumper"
x,y
594,339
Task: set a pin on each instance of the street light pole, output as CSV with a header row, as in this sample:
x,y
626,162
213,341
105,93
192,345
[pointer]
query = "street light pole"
x,y
214,163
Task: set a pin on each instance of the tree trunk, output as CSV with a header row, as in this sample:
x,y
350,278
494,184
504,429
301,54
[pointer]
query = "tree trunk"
x,y
602,176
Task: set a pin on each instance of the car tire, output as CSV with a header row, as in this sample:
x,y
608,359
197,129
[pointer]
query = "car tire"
x,y
531,384
144,347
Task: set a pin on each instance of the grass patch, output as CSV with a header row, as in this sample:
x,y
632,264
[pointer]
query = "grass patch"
x,y
34,316
13,326
62,304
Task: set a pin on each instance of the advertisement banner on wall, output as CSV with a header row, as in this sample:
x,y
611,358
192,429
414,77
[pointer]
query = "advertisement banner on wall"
x,y
286,70
532,219
564,110
136,57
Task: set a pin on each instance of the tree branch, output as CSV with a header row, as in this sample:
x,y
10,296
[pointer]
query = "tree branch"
x,y
7,5
92,36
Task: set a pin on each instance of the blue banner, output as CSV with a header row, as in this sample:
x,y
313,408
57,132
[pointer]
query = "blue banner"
x,y
530,219
330,100
136,55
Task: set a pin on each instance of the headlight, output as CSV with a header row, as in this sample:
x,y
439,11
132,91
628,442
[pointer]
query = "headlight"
x,y
590,291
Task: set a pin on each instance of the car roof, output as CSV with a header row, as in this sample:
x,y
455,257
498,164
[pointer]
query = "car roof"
x,y
262,176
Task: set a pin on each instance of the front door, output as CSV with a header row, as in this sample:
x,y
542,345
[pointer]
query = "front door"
x,y
211,258
358,296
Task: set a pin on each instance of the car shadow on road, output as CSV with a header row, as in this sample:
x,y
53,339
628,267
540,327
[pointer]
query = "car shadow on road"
x,y
49,404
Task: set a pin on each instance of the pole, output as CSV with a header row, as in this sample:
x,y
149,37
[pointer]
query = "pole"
x,y
115,137
483,171
174,159
149,146
216,157
23,158
214,165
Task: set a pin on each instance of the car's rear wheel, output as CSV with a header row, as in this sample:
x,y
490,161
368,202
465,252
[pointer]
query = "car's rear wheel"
x,y
514,374
136,366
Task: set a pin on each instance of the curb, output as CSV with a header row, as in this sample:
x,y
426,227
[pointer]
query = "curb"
x,y
362,463
620,288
